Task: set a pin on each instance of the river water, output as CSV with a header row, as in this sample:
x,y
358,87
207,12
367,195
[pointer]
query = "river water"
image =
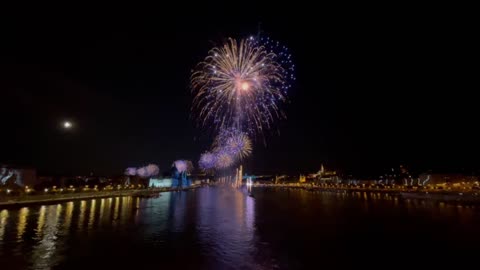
x,y
224,228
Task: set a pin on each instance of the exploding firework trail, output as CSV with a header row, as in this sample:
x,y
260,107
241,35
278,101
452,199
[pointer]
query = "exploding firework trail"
x,y
239,145
282,56
240,86
223,160
233,142
207,161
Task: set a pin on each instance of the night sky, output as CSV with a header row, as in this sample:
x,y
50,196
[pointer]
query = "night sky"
x,y
372,91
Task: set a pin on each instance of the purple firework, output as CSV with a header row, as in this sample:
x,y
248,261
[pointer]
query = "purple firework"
x,y
223,160
282,56
131,171
234,142
142,172
207,161
180,165
239,81
239,145
223,136
152,169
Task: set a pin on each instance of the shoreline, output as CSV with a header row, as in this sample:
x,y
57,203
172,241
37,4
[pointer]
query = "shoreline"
x,y
459,196
55,198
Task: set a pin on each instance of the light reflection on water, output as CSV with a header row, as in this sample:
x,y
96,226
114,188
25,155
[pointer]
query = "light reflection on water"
x,y
68,217
219,228
226,233
47,232
22,223
3,223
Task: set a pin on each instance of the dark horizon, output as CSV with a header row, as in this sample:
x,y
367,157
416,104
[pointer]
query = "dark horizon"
x,y
372,92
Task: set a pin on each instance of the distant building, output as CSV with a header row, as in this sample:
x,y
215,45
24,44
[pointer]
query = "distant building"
x,y
445,179
323,175
16,176
397,176
261,179
160,182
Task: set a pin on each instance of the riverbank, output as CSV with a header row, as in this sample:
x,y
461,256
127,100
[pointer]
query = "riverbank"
x,y
13,201
455,195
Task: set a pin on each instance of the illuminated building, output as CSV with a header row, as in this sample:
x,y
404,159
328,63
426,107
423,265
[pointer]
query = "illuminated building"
x,y
302,179
325,176
159,183
10,175
446,179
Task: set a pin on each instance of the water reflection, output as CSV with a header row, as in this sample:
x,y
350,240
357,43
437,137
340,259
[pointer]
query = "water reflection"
x,y
68,217
22,223
116,209
225,227
47,232
91,219
40,222
153,216
108,211
218,228
126,210
81,219
100,215
177,209
51,227
3,223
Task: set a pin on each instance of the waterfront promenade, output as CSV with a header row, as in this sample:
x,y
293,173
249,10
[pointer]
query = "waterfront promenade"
x,y
453,194
461,194
7,201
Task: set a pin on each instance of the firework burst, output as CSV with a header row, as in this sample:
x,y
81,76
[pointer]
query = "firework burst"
x,y
223,160
239,84
282,57
240,145
234,142
238,90
180,165
207,161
